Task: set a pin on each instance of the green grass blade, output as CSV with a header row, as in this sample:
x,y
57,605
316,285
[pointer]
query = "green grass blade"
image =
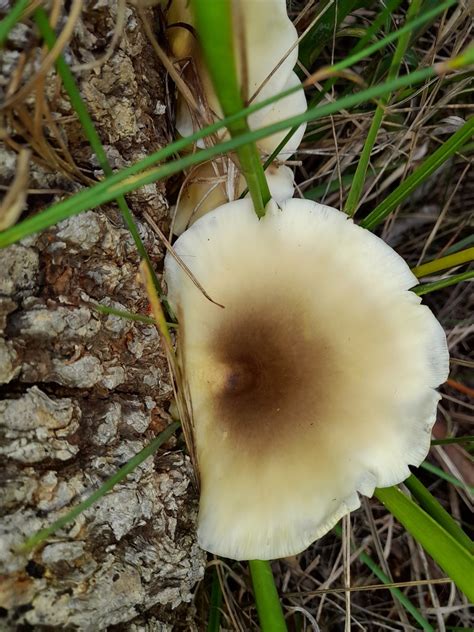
x,y
122,473
215,26
402,598
91,134
448,440
419,175
443,548
11,19
130,178
323,31
268,604
377,23
358,182
443,263
94,196
359,55
69,83
214,622
438,512
316,193
442,283
467,241
434,469
396,592
359,52
121,313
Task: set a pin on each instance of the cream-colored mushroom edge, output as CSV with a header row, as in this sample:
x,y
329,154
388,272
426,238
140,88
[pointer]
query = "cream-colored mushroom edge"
x,y
316,381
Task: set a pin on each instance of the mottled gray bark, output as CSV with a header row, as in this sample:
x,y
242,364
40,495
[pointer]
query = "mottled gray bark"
x,y
83,392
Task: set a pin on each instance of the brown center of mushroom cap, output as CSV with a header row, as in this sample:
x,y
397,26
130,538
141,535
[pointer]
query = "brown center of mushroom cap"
x,y
271,376
240,377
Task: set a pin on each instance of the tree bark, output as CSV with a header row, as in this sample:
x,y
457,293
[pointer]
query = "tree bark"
x,y
83,392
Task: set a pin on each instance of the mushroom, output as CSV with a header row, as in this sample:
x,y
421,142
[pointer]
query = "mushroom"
x,y
180,36
314,383
271,48
291,105
269,59
211,184
269,64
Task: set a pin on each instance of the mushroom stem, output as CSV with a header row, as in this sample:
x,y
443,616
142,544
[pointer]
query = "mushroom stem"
x,y
214,26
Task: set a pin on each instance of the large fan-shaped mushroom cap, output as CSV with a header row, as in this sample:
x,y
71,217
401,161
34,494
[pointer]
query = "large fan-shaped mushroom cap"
x,y
314,383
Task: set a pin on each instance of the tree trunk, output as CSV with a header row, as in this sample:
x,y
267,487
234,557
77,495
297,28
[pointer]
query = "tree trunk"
x,y
83,392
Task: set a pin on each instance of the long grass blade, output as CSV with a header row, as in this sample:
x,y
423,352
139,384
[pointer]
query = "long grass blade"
x,y
122,313
462,243
39,537
434,469
268,604
438,512
358,182
449,440
91,134
419,175
78,203
214,621
214,23
396,592
437,542
214,26
130,178
360,51
443,263
442,283
11,19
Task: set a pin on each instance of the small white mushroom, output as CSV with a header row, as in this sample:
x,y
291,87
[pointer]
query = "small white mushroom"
x,y
314,383
269,42
209,186
269,64
284,108
270,46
